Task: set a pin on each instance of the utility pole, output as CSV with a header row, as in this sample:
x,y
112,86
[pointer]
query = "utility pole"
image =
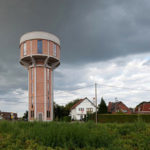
x,y
96,100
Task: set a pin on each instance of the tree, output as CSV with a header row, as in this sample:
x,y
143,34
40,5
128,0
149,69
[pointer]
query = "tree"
x,y
62,111
59,112
70,104
25,116
102,107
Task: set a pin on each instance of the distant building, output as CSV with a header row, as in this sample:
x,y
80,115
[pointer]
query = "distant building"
x,y
82,108
8,116
132,110
115,107
143,108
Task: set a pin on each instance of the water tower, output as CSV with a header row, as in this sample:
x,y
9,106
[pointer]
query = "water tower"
x,y
40,54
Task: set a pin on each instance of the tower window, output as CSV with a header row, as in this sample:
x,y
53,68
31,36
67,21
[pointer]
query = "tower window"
x,y
24,49
32,101
48,102
39,46
48,114
54,50
32,113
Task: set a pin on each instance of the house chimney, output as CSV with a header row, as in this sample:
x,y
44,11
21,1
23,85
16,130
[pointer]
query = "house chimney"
x,y
109,106
94,101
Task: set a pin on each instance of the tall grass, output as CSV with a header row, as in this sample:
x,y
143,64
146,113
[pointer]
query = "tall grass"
x,y
72,136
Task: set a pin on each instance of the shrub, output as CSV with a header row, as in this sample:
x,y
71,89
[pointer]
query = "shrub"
x,y
67,118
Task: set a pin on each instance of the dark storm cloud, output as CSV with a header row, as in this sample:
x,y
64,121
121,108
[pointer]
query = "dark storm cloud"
x,y
89,31
105,33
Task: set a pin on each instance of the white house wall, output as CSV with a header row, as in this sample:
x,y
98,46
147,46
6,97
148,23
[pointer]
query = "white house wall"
x,y
76,114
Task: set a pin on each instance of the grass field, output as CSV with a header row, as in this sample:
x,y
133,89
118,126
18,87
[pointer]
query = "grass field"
x,y
74,136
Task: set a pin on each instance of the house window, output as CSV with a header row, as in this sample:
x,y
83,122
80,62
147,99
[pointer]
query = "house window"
x,y
54,50
81,117
89,109
48,114
32,113
39,45
24,49
81,109
124,110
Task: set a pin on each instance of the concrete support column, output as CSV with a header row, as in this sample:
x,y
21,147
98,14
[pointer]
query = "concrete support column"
x,y
35,92
52,96
45,95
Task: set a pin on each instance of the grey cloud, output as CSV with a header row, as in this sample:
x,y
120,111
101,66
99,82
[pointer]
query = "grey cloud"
x,y
90,31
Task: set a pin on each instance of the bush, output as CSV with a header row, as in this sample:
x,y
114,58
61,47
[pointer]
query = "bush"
x,y
67,118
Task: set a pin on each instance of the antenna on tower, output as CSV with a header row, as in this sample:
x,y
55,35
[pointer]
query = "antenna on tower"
x,y
116,99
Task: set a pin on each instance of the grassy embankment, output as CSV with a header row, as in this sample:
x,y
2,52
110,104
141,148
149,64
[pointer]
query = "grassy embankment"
x,y
74,136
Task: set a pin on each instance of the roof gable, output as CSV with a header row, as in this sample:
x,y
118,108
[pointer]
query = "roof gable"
x,y
116,105
144,102
80,101
76,104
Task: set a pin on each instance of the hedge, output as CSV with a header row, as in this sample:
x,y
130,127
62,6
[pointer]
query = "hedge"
x,y
119,118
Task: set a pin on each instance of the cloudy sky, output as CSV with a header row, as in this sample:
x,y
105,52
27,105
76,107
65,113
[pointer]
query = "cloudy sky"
x,y
103,41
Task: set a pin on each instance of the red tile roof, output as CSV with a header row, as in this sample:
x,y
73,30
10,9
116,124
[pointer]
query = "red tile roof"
x,y
144,106
75,105
113,106
80,101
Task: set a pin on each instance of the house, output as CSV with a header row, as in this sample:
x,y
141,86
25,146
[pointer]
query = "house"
x,y
82,108
114,107
143,108
8,115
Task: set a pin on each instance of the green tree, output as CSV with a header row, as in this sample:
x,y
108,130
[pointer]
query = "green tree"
x,y
70,104
60,112
63,111
25,116
102,107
